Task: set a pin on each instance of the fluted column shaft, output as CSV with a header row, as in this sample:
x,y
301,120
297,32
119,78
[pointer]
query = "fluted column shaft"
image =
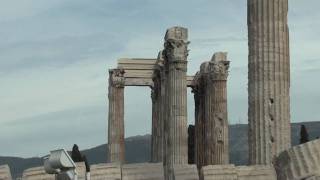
x,y
216,112
162,115
154,130
157,120
175,58
269,80
199,123
196,114
116,117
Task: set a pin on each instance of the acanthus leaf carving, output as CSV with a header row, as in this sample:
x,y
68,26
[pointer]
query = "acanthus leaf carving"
x,y
176,49
117,78
219,70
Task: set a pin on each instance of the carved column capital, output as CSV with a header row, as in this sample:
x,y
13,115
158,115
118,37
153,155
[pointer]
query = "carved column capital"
x,y
116,78
218,70
176,48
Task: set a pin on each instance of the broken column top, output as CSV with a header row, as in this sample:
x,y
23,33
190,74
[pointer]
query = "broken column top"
x,y
219,56
116,77
177,33
176,47
217,67
204,67
216,58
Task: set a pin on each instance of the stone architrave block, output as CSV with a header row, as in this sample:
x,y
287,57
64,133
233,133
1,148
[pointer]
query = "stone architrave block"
x,y
257,172
110,171
143,171
219,172
37,173
185,172
231,172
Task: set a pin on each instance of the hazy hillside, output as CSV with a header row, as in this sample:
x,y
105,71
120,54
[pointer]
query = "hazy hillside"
x,y
138,148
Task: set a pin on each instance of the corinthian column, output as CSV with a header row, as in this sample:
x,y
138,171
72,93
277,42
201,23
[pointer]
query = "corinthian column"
x,y
216,113
116,116
269,80
175,59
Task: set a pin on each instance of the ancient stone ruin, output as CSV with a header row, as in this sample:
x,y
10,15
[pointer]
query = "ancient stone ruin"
x,y
270,152
269,133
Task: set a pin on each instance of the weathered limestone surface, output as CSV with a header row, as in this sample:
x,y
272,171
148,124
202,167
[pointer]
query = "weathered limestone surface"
x,y
105,171
81,170
5,173
143,171
258,172
219,172
175,62
269,80
185,172
157,135
37,173
231,172
162,113
216,113
116,116
313,178
299,162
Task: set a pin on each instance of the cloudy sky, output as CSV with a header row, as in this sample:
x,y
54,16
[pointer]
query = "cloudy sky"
x,y
55,55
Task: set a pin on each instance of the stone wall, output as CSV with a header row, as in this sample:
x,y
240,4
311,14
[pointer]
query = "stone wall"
x,y
231,172
81,170
185,172
37,173
143,171
105,171
218,172
257,172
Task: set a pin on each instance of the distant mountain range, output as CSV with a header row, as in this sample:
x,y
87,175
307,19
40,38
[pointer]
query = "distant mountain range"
x,y
138,148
